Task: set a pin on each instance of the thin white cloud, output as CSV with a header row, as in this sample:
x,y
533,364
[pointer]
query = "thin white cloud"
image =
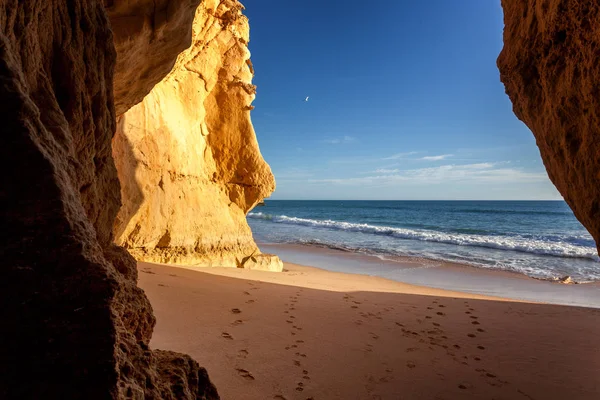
x,y
293,174
386,171
468,173
398,156
341,140
436,158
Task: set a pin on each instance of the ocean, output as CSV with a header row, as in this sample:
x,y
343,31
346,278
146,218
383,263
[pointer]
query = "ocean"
x,y
541,239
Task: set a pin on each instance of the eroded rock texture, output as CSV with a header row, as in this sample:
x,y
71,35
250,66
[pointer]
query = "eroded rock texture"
x,y
187,155
550,66
74,323
149,35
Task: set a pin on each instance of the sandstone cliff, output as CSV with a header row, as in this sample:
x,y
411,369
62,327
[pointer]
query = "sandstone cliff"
x,y
550,66
187,156
74,322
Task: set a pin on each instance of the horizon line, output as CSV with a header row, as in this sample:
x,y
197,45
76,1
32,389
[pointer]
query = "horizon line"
x,y
414,200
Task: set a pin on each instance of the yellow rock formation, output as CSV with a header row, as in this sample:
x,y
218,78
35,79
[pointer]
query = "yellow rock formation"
x,y
187,156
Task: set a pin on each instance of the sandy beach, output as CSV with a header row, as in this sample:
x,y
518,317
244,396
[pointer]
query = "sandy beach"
x,y
308,333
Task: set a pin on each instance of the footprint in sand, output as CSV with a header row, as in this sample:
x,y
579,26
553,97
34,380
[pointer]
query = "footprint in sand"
x,y
481,347
441,306
353,306
250,302
173,275
299,341
411,364
160,284
294,346
473,317
245,374
471,335
226,335
436,324
279,397
243,353
480,330
440,313
247,293
236,310
475,323
237,322
292,317
289,321
296,363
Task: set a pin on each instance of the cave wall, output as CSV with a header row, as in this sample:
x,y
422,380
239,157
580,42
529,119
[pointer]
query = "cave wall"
x,y
187,155
550,66
74,322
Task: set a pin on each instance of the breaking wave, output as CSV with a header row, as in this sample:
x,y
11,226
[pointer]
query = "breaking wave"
x,y
549,247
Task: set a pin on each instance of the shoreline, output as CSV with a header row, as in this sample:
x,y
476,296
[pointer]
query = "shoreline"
x,y
441,275
309,333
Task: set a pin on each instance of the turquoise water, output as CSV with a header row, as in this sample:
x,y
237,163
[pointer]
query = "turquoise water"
x,y
541,239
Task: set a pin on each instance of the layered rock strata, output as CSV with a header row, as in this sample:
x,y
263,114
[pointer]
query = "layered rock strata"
x,y
550,66
74,323
187,156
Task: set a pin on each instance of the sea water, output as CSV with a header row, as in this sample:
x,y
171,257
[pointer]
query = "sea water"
x,y
541,239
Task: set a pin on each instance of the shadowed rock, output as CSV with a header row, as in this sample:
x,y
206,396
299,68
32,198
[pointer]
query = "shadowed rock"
x,y
74,322
551,70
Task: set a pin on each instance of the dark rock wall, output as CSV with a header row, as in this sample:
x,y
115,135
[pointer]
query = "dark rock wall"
x,y
74,324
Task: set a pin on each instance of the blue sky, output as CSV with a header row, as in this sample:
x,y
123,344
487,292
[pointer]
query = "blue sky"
x,y
405,102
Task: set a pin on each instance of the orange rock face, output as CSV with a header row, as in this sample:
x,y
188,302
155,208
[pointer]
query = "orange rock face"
x,y
550,66
188,161
74,322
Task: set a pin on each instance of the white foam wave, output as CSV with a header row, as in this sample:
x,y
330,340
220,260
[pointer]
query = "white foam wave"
x,y
514,243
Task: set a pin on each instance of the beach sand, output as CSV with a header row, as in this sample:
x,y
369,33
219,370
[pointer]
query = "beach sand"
x,y
308,333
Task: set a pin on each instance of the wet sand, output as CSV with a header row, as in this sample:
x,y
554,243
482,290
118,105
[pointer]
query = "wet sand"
x,y
308,333
442,275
